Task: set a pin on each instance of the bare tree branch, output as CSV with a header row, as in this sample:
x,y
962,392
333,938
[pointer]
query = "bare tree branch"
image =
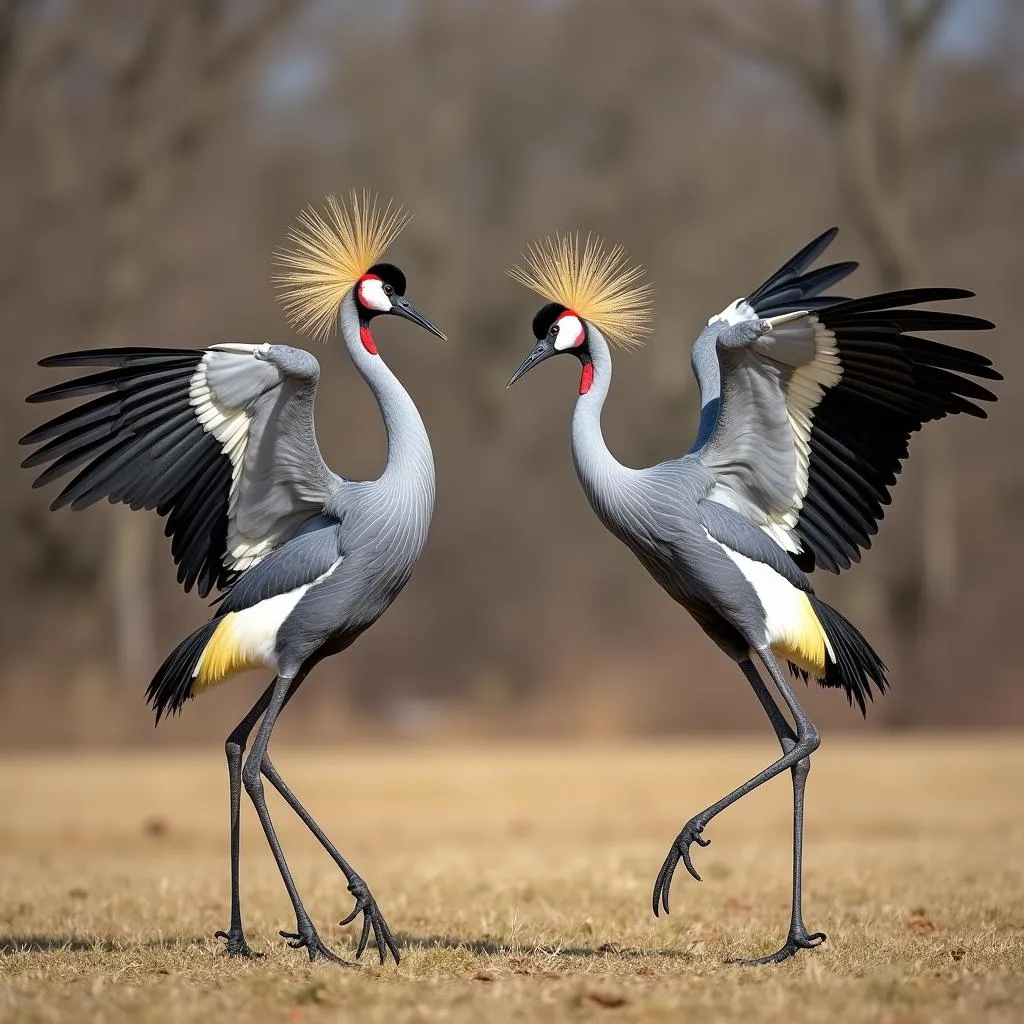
x,y
221,54
46,49
143,60
10,11
819,82
231,51
913,23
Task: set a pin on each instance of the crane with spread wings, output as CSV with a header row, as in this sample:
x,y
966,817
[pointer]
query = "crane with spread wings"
x,y
220,441
808,402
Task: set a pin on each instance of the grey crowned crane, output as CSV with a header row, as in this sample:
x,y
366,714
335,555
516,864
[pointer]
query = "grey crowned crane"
x,y
807,407
221,442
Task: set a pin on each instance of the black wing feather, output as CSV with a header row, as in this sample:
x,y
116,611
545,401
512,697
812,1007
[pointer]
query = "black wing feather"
x,y
793,268
892,383
140,443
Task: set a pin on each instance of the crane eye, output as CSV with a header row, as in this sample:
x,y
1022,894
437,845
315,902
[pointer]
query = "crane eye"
x,y
388,290
554,330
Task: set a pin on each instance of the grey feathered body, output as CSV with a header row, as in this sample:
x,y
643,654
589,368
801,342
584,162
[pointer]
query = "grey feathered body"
x,y
222,442
379,537
808,403
363,546
804,424
658,512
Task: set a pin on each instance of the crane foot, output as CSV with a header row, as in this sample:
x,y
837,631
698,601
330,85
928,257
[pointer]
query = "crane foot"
x,y
307,938
373,921
235,944
680,850
797,940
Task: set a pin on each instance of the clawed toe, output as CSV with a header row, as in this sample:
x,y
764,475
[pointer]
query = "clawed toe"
x,y
782,955
795,942
235,944
307,938
373,921
680,850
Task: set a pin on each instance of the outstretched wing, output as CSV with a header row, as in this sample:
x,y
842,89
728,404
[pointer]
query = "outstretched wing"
x,y
218,440
804,427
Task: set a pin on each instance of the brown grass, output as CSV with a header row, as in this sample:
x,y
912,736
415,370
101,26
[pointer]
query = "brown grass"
x,y
519,880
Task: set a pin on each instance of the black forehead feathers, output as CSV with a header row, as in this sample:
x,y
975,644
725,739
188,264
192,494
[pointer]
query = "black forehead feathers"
x,y
389,274
545,317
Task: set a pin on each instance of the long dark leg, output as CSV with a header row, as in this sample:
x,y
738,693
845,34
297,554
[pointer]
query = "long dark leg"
x,y
783,730
234,747
305,934
806,742
798,937
365,903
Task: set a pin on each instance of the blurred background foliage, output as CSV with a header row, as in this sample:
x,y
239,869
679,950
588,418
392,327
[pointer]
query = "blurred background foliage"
x,y
153,153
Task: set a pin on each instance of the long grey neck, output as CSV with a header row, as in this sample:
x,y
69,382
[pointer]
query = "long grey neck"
x,y
410,459
704,359
600,473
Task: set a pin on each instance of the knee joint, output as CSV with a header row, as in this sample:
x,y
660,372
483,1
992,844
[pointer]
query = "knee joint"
x,y
811,738
251,779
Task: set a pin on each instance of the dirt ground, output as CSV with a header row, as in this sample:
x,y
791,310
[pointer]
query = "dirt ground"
x,y
518,880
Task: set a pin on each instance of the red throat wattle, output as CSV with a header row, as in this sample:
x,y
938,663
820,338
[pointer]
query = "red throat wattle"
x,y
367,339
586,378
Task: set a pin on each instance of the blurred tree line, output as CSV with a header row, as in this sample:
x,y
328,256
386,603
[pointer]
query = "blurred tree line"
x,y
154,152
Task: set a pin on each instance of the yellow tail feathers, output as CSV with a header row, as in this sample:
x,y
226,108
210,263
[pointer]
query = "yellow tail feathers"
x,y
223,657
805,643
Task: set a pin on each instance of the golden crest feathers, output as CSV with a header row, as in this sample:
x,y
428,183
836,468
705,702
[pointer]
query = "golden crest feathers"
x,y
596,282
329,251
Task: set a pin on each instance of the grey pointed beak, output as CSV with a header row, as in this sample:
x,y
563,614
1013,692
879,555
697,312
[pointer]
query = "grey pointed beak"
x,y
401,306
543,350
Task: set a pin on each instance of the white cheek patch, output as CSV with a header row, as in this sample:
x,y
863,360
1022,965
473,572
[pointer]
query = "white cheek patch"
x,y
371,294
570,332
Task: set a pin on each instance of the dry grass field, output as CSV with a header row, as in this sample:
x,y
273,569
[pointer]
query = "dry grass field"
x,y
519,881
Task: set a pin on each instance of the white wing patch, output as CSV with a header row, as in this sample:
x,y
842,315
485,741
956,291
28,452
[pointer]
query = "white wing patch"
x,y
736,312
803,393
763,466
231,428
